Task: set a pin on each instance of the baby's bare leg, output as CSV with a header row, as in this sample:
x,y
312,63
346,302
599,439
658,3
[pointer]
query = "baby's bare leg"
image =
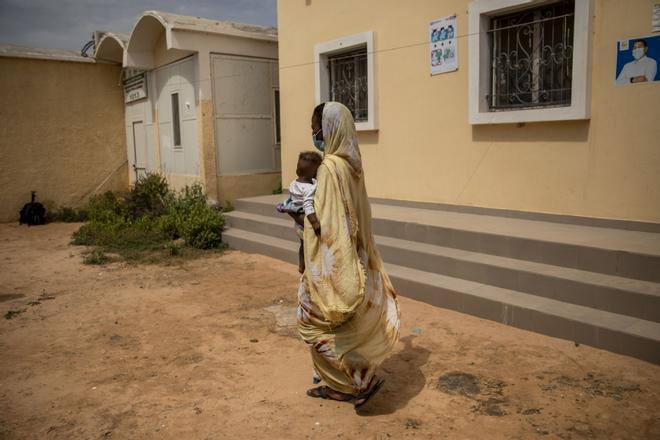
x,y
301,258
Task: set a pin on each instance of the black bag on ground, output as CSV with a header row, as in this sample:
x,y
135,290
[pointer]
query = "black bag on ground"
x,y
33,213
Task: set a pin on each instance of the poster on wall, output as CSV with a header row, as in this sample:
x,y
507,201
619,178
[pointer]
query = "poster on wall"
x,y
637,60
442,45
655,21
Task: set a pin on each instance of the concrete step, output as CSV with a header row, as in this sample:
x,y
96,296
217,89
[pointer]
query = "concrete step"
x,y
285,250
280,227
636,298
615,332
619,252
626,296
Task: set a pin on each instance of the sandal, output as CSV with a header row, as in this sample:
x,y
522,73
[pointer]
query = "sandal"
x,y
325,392
363,398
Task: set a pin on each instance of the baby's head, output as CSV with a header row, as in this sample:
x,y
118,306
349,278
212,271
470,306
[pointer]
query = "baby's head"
x,y
308,163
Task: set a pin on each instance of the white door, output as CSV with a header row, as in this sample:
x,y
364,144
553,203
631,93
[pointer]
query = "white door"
x,y
177,117
244,97
139,149
140,139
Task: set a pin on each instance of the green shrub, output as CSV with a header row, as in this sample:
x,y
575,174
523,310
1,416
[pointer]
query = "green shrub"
x,y
108,207
149,196
66,215
96,257
190,218
173,248
202,227
143,223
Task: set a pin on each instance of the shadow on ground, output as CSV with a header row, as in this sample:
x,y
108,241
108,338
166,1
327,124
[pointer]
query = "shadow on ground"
x,y
403,379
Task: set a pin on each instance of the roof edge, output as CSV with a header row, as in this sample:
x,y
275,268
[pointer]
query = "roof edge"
x,y
16,51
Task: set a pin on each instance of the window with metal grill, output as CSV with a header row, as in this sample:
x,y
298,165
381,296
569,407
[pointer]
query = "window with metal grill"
x,y
348,82
532,57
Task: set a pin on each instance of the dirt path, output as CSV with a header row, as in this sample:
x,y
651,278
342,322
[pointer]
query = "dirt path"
x,y
195,351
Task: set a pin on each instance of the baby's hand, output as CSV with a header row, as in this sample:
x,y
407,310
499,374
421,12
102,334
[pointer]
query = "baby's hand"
x,y
317,228
316,224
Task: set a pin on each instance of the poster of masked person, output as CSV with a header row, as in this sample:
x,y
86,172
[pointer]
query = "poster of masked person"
x,y
637,60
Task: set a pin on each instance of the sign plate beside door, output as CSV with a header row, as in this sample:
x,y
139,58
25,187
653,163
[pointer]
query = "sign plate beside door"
x,y
135,88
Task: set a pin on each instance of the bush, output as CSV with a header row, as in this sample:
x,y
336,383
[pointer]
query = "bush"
x,y
66,215
149,197
173,248
190,218
108,207
96,257
202,227
146,221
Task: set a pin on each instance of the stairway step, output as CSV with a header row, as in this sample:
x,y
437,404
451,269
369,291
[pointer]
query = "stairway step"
x,y
280,227
261,205
597,328
611,331
624,253
637,298
626,296
274,247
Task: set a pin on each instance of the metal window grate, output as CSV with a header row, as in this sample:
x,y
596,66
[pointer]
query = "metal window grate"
x,y
348,82
532,57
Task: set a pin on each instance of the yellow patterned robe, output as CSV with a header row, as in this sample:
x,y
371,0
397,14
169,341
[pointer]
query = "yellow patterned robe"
x,y
347,308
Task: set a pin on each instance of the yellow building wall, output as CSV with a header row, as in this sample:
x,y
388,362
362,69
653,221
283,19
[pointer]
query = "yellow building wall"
x,y
425,149
61,132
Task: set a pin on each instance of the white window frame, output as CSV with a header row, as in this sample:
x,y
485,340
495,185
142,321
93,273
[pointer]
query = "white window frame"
x,y
322,76
480,13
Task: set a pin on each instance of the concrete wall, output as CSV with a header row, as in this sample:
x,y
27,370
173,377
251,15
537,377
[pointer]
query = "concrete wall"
x,y
62,132
425,149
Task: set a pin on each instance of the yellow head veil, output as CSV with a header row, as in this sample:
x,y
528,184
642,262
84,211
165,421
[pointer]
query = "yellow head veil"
x,y
340,136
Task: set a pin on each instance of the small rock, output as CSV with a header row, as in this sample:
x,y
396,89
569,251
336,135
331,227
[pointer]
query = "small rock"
x,y
254,340
413,424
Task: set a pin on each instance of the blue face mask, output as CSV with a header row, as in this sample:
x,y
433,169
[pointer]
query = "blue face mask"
x,y
318,143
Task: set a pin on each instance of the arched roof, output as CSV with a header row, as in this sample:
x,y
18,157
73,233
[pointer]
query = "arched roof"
x,y
145,33
111,47
151,24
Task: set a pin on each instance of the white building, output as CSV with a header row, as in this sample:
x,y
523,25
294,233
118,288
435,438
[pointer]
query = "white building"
x,y
202,102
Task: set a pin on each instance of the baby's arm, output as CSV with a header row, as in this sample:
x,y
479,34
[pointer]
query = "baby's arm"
x,y
310,212
313,219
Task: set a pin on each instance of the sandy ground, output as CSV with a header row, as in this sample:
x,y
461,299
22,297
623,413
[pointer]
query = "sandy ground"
x,y
204,350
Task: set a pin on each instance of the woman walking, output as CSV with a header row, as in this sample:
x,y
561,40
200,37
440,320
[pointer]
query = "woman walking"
x,y
347,312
